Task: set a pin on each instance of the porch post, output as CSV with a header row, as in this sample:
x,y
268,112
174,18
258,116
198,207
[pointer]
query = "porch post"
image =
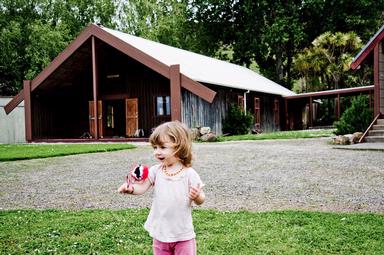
x,y
286,114
310,112
94,85
175,92
376,80
338,107
27,110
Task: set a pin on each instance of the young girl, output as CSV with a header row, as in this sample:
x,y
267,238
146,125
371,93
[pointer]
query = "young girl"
x,y
176,186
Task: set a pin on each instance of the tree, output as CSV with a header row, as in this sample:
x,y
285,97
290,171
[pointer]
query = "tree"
x,y
325,65
34,32
272,32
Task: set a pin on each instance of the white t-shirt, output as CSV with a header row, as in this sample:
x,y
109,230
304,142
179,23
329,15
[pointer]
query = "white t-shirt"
x,y
170,217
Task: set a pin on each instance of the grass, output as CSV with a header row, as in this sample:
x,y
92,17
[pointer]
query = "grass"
x,y
121,232
281,135
9,152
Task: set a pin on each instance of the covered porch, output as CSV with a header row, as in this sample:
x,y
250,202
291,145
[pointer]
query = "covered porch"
x,y
300,109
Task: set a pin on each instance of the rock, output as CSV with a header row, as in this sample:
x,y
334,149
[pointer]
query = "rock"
x,y
195,133
210,137
356,137
349,137
205,130
341,139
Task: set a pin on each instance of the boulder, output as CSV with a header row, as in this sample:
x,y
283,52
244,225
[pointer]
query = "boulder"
x,y
356,137
341,139
195,133
210,137
205,130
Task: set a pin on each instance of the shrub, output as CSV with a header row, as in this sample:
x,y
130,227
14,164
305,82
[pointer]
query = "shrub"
x,y
356,118
237,122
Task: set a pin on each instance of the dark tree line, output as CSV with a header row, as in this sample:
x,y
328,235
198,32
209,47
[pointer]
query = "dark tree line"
x,y
261,34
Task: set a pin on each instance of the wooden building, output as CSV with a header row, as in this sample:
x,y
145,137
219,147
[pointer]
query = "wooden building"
x,y
373,52
110,85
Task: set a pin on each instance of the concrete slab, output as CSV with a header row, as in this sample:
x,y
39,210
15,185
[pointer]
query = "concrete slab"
x,y
362,146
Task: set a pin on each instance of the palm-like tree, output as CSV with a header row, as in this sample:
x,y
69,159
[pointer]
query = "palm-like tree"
x,y
325,64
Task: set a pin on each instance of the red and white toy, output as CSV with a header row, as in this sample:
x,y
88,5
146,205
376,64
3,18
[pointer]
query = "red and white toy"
x,y
139,172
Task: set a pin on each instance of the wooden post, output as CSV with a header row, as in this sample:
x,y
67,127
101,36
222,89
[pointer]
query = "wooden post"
x,y
27,110
310,112
175,80
94,85
376,80
338,107
286,114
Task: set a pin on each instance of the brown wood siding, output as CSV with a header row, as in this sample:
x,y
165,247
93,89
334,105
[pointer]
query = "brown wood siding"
x,y
62,112
267,111
135,81
381,75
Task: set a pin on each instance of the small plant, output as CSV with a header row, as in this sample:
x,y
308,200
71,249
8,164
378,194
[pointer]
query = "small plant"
x,y
237,122
356,118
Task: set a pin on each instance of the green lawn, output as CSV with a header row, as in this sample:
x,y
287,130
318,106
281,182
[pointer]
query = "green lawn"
x,y
121,232
10,152
281,135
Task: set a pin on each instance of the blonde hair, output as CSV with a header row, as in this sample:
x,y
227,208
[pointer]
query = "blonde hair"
x,y
179,135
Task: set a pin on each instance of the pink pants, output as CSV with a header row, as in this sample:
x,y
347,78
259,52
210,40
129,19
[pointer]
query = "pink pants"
x,y
176,248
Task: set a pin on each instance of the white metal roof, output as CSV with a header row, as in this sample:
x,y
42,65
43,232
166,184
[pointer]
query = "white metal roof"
x,y
202,68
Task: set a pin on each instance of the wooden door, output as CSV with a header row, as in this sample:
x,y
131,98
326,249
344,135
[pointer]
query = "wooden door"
x,y
131,116
91,111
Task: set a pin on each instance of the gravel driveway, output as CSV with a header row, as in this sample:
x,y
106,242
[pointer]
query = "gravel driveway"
x,y
305,174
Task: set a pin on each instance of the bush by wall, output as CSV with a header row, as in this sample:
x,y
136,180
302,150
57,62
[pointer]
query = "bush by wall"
x,y
356,118
237,122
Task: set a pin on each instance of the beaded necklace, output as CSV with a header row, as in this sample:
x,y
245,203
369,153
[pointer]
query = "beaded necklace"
x,y
165,171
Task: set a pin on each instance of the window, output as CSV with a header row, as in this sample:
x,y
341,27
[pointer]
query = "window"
x,y
163,106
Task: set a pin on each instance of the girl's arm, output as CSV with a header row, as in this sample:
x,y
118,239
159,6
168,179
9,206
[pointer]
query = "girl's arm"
x,y
197,195
135,188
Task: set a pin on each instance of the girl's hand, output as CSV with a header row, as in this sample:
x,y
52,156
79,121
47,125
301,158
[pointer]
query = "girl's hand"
x,y
126,187
196,194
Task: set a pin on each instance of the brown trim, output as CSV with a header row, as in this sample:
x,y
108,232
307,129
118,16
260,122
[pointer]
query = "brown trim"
x,y
310,112
94,86
16,100
189,84
338,106
131,51
27,110
286,114
174,73
240,102
256,112
332,92
82,140
369,47
276,112
197,88
64,55
376,80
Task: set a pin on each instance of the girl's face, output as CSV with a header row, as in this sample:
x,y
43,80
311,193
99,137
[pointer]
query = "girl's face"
x,y
165,153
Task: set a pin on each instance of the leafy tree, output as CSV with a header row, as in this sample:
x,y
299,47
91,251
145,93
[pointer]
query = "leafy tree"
x,y
325,65
272,32
44,43
10,59
34,32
